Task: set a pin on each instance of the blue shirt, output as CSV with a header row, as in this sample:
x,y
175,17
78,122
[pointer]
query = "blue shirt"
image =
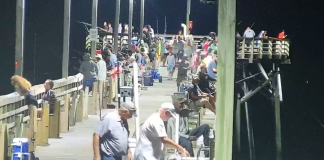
x,y
113,60
210,72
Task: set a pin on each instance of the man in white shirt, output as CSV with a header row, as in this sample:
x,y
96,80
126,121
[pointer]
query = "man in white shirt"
x,y
249,35
153,135
102,68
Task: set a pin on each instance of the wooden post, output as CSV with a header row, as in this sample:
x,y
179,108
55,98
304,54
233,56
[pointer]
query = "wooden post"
x,y
101,93
43,127
4,142
94,107
80,107
72,111
18,127
225,79
277,117
111,90
64,117
30,131
54,129
86,103
238,128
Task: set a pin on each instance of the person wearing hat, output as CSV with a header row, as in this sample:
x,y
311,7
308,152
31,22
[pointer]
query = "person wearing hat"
x,y
153,135
199,97
102,68
89,69
110,140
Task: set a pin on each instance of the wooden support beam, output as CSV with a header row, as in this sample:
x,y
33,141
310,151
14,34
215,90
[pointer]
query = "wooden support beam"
x,y
64,115
111,90
72,111
277,118
54,129
94,107
225,79
86,103
80,107
4,141
237,128
30,130
18,127
43,127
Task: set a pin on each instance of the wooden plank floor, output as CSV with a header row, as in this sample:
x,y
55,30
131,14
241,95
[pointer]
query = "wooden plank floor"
x,y
77,144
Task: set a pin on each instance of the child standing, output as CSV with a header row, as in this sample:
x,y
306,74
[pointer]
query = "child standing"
x,y
171,64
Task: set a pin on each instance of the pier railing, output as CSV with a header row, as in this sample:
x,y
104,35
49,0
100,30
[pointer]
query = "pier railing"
x,y
264,48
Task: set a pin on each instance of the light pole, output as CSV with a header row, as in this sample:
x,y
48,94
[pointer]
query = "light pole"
x,y
142,19
20,29
188,16
94,25
117,13
116,46
66,38
130,23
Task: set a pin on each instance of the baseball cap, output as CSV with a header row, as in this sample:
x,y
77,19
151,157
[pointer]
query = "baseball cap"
x,y
99,56
195,77
170,108
131,107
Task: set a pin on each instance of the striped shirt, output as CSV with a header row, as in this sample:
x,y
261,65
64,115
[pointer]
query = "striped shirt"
x,y
50,98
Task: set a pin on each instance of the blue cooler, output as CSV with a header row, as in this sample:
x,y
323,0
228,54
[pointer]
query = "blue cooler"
x,y
148,80
20,149
157,76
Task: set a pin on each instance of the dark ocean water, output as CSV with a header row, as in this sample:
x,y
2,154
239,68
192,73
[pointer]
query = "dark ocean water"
x,y
302,110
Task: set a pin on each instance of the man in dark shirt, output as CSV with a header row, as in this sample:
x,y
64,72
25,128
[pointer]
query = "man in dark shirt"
x,y
200,98
182,71
204,81
49,96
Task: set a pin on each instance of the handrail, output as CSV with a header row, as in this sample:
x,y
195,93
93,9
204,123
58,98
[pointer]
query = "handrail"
x,y
39,89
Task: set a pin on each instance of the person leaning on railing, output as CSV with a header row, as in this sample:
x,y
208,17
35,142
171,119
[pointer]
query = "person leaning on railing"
x,y
89,69
22,86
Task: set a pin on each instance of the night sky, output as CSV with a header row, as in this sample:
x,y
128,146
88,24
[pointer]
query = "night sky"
x,y
302,110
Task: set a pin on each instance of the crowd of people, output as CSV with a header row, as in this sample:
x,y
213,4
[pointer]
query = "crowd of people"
x,y
110,138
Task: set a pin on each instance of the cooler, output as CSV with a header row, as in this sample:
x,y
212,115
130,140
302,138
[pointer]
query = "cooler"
x,y
148,80
20,149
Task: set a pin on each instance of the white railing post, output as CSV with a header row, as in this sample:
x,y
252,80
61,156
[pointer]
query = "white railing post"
x,y
136,100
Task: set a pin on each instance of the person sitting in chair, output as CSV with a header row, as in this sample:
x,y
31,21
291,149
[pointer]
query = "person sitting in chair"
x,y
186,136
204,82
199,97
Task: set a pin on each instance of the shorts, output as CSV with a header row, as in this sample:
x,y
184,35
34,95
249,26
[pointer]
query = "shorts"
x,y
88,83
199,102
181,79
170,67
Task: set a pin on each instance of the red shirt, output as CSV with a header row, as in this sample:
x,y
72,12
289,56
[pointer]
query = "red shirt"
x,y
206,46
281,35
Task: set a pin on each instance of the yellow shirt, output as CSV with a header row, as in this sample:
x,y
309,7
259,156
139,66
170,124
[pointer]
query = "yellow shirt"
x,y
158,52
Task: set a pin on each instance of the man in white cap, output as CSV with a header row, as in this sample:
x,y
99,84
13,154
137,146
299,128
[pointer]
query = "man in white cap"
x,y
102,68
153,135
110,140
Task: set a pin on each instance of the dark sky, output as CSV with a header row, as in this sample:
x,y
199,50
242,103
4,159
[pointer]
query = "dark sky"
x,y
302,20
